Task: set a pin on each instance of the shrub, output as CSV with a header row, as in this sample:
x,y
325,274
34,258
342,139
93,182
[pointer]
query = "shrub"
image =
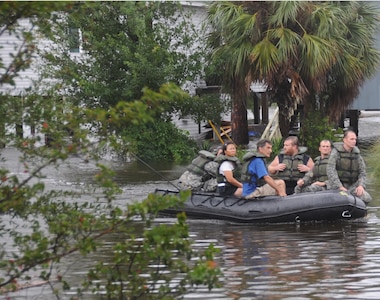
x,y
160,141
316,127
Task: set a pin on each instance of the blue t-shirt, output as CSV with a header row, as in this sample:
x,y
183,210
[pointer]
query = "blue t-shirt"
x,y
256,166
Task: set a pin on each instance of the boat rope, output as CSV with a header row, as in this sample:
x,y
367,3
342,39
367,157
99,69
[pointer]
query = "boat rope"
x,y
155,171
239,202
214,203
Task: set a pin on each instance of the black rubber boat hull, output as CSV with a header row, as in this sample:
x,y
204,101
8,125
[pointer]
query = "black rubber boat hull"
x,y
305,207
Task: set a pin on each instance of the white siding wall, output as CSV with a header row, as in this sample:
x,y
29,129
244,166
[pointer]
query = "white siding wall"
x,y
12,44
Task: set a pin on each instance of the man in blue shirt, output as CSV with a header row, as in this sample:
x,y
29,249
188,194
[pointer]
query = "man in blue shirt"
x,y
255,177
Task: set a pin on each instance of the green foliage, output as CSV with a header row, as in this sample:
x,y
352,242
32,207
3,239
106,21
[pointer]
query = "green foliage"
x,y
277,145
215,69
61,224
373,163
240,151
207,107
315,128
129,45
153,263
42,224
208,145
159,140
133,49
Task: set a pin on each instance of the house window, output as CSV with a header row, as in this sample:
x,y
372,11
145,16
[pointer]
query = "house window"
x,y
74,40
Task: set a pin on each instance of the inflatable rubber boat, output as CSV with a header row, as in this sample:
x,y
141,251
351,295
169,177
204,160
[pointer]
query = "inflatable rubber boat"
x,y
304,207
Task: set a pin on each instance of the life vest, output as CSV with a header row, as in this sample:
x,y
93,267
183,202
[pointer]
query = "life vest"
x,y
347,164
247,177
197,165
236,171
291,173
320,168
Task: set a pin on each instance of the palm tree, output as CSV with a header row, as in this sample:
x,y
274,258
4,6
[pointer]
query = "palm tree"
x,y
314,53
234,50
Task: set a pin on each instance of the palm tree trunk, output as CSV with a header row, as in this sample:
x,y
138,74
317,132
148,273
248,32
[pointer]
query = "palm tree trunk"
x,y
284,124
239,122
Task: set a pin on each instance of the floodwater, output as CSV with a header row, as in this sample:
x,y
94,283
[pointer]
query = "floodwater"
x,y
264,262
287,261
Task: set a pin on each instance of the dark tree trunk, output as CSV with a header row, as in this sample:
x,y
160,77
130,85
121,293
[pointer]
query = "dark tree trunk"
x,y
285,105
264,108
354,120
2,134
284,123
239,122
19,131
256,109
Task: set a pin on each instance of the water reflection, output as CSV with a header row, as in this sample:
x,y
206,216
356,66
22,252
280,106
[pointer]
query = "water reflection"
x,y
80,170
138,172
279,261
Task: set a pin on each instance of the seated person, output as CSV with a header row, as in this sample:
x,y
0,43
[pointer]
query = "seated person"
x,y
291,165
316,180
255,177
346,169
229,169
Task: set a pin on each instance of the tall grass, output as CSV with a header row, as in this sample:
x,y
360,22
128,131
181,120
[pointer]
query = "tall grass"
x,y
372,158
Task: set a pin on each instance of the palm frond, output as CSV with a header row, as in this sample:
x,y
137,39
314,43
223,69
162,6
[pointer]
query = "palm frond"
x,y
265,58
317,55
287,41
351,70
246,25
285,12
237,63
220,14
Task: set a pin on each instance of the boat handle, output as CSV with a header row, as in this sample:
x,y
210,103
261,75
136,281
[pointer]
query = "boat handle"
x,y
346,214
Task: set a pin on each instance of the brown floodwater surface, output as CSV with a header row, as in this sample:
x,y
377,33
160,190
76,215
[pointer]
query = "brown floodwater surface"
x,y
287,261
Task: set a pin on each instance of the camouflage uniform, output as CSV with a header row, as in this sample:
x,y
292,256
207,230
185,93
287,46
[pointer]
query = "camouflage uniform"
x,y
190,181
211,184
200,174
308,187
318,173
349,177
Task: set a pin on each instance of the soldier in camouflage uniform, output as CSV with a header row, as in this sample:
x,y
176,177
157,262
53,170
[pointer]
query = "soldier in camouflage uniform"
x,y
346,168
316,179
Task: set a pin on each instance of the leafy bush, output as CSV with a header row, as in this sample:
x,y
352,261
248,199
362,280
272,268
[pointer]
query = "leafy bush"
x,y
128,273
316,127
204,108
372,157
160,141
62,224
276,148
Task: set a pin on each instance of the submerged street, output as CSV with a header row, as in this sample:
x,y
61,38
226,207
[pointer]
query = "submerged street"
x,y
285,261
